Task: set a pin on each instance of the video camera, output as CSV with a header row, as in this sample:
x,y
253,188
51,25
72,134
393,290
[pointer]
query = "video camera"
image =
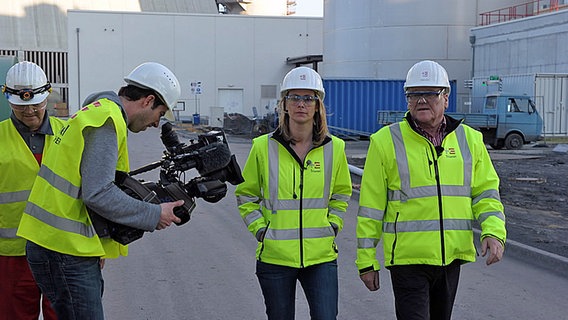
x,y
209,155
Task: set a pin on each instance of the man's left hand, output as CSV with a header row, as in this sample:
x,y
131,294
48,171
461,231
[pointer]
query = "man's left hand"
x,y
495,250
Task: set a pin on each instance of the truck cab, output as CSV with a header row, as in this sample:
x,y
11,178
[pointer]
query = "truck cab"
x,y
505,120
518,121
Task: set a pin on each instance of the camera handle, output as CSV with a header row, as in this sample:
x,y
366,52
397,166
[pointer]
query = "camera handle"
x,y
121,233
148,167
177,193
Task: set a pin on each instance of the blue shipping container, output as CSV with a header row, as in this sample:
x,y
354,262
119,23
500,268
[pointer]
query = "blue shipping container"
x,y
353,104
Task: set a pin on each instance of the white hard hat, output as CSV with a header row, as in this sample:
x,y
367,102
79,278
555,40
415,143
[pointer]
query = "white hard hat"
x,y
26,84
427,74
152,75
302,78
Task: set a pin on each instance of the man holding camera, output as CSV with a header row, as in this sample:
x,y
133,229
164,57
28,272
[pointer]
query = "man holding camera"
x,y
77,172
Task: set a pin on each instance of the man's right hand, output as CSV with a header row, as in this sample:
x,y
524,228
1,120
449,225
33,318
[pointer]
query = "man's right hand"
x,y
167,217
371,280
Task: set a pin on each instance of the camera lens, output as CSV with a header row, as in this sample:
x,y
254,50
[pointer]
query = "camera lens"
x,y
169,137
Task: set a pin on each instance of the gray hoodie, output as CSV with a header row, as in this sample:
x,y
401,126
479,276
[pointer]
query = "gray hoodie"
x,y
98,166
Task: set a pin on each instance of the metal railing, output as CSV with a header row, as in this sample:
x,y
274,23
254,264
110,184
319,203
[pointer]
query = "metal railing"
x,y
524,10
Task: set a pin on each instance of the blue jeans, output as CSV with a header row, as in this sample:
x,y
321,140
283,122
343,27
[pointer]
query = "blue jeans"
x,y
73,285
278,284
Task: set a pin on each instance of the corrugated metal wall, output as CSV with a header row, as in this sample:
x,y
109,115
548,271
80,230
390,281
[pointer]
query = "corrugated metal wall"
x,y
551,92
536,44
353,104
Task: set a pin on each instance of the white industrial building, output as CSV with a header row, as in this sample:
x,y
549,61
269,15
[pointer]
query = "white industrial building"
x,y
234,62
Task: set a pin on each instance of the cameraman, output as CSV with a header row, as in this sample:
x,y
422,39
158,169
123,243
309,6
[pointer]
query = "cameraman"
x,y
77,172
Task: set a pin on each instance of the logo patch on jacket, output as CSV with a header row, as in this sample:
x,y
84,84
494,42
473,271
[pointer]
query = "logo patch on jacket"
x,y
313,166
451,153
316,167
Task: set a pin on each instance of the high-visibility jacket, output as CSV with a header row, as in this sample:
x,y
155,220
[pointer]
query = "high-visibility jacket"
x,y
300,206
19,169
423,201
55,216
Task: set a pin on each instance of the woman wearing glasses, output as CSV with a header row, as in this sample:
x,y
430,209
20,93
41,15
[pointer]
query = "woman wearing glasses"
x,y
297,185
25,136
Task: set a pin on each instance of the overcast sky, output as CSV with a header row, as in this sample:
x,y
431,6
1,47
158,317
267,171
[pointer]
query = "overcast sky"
x,y
309,8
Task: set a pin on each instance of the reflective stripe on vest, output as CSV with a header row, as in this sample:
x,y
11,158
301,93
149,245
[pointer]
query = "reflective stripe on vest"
x,y
19,170
294,204
59,183
9,197
12,197
312,203
59,222
424,209
275,204
370,213
55,204
406,193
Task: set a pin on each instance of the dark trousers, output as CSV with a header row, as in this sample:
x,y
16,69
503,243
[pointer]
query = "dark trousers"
x,y
73,285
278,284
20,297
424,292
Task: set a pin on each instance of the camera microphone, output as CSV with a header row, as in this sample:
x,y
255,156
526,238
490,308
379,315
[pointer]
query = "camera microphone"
x,y
212,157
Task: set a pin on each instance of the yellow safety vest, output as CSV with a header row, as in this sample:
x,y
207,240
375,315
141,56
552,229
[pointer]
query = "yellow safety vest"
x,y
422,203
301,206
55,216
19,169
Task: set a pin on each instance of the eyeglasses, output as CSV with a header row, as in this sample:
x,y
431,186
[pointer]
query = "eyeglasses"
x,y
27,94
308,100
429,96
33,107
